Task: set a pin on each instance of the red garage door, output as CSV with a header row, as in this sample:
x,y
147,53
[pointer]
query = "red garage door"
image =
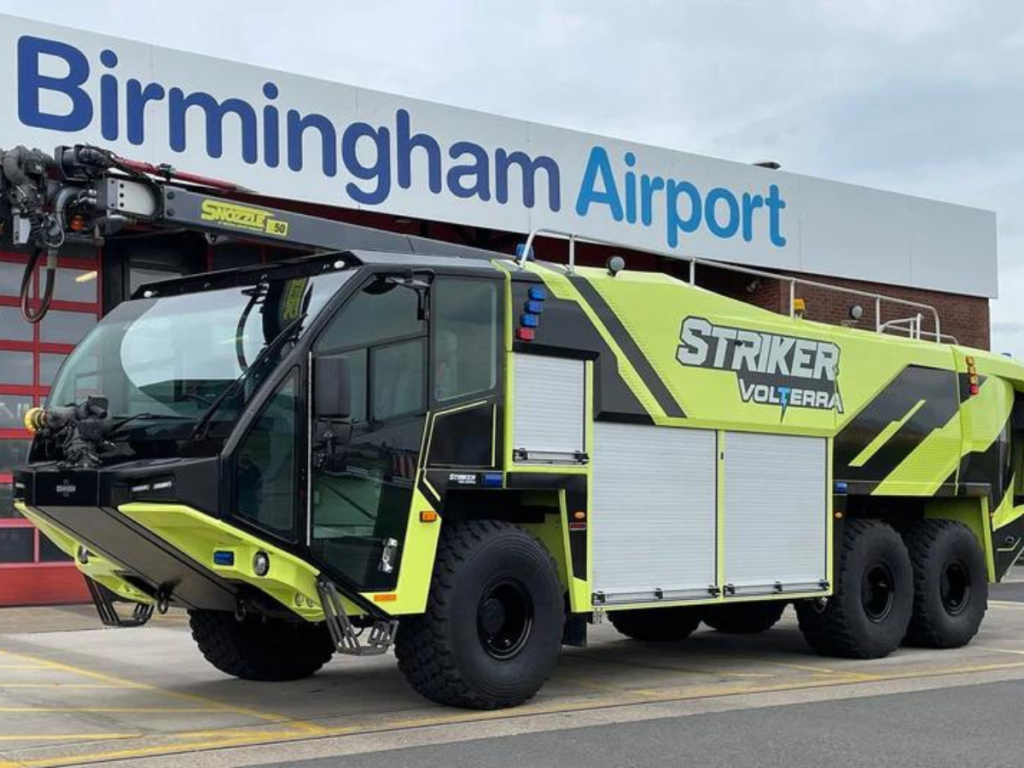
x,y
33,571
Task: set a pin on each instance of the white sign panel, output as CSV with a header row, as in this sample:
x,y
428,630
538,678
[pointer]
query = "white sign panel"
x,y
307,139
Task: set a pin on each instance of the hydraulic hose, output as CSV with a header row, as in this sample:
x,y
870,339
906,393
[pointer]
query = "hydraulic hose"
x,y
50,275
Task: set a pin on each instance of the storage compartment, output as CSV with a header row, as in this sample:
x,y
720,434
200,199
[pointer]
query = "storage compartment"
x,y
548,423
653,519
776,513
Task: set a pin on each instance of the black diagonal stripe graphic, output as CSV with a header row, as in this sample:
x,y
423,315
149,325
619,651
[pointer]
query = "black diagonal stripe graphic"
x,y
991,466
629,347
937,387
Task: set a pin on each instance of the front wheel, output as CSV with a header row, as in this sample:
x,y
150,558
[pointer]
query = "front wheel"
x,y
493,625
256,648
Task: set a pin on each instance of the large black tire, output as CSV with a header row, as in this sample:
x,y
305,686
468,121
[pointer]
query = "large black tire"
x,y
869,611
950,584
744,618
657,625
254,649
494,620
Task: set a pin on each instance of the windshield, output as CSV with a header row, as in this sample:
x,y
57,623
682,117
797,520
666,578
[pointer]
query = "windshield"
x,y
173,357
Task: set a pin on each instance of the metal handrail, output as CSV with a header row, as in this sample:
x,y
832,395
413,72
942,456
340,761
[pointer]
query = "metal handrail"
x,y
915,330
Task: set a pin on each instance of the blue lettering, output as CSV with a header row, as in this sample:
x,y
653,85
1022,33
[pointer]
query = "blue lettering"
x,y
504,160
775,204
271,129
136,99
379,170
599,166
179,104
31,82
297,125
675,221
648,187
405,143
108,98
711,212
750,204
479,170
630,189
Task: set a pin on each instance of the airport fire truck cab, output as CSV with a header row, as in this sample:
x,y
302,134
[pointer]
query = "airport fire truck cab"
x,y
466,456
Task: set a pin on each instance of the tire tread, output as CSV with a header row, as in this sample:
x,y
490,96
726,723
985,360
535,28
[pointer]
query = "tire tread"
x,y
426,656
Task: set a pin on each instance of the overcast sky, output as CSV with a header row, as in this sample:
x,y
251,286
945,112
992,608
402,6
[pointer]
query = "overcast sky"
x,y
917,96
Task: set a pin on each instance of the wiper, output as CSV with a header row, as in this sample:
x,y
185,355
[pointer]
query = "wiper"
x,y
126,420
202,426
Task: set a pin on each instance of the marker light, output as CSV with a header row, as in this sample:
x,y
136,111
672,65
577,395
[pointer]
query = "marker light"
x,y
222,558
428,516
261,564
536,307
525,334
537,293
529,321
972,376
492,479
521,248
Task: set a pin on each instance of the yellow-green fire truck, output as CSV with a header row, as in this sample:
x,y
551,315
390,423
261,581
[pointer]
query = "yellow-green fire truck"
x,y
469,457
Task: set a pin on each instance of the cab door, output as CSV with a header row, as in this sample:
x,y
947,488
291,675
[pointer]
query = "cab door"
x,y
364,468
414,349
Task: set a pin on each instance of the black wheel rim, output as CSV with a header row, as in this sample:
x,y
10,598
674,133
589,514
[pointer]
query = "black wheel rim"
x,y
877,591
504,619
955,587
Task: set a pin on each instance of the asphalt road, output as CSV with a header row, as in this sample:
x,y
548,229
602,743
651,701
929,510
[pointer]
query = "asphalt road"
x,y
961,727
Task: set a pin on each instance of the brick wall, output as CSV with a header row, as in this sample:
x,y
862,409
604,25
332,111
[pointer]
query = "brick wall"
x,y
965,317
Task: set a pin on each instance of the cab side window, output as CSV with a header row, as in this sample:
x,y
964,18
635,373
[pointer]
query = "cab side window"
x,y
465,338
382,335
267,464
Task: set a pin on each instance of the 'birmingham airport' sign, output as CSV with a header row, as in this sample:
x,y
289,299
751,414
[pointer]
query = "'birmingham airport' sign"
x,y
302,138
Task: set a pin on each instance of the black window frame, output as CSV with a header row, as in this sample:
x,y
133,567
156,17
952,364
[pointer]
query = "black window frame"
x,y
370,424
497,352
299,440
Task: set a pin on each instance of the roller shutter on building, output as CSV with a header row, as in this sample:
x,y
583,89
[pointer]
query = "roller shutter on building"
x,y
32,570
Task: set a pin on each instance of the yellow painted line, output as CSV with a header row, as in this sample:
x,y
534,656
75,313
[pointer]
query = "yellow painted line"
x,y
663,696
110,710
71,737
61,685
884,436
785,665
118,682
22,666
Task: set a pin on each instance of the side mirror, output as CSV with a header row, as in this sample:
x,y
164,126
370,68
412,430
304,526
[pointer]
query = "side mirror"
x,y
332,396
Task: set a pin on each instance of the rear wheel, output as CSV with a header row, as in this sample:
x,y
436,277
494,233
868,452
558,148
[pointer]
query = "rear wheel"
x,y
657,625
261,649
950,584
869,611
493,626
744,618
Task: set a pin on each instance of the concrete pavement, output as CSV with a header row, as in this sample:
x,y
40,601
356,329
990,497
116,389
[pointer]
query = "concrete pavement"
x,y
146,696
